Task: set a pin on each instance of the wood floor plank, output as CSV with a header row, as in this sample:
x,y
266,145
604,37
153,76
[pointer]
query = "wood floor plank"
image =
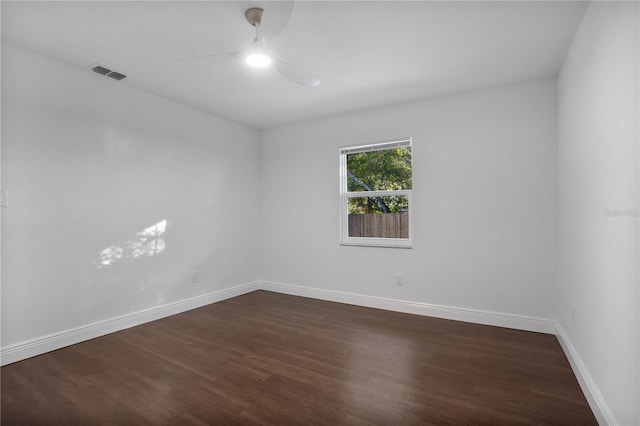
x,y
271,359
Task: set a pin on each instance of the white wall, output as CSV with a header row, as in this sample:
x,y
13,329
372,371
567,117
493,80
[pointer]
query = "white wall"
x,y
484,202
90,163
598,171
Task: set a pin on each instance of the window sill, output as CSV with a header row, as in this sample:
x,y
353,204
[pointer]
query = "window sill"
x,y
375,242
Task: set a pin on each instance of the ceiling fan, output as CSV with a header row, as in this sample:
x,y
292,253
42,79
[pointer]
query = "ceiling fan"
x,y
257,55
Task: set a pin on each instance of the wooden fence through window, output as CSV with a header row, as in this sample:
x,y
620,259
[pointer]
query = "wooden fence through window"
x,y
379,225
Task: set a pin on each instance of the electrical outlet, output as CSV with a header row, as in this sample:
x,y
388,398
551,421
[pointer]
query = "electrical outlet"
x,y
573,314
399,279
194,277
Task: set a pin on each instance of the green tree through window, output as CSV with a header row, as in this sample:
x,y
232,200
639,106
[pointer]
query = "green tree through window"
x,y
383,170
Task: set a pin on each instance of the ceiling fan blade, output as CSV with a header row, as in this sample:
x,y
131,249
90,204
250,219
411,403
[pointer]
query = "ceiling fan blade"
x,y
275,18
297,75
213,55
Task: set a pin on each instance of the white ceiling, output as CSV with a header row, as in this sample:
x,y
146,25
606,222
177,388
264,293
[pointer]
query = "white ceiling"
x,y
368,54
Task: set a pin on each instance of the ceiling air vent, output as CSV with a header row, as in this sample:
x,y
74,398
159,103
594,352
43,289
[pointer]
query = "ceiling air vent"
x,y
107,72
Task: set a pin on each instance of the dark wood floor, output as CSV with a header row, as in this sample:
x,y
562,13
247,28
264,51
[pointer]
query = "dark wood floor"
x,y
267,358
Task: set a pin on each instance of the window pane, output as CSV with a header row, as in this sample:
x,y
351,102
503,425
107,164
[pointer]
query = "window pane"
x,y
379,217
384,170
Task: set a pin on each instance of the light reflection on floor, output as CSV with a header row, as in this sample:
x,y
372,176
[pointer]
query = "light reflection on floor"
x,y
394,356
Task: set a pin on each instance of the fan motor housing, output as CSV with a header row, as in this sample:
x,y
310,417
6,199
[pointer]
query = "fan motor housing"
x,y
254,15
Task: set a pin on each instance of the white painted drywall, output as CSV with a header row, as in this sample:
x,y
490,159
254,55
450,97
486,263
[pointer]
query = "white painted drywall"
x,y
484,202
91,166
598,174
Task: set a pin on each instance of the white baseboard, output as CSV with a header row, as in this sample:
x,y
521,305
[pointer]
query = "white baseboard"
x,y
600,409
540,325
40,345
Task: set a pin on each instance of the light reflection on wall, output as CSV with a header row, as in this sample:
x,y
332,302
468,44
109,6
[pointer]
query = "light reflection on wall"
x,y
146,243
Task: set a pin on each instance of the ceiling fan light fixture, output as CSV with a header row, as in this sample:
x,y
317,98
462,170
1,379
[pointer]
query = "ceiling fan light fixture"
x,y
258,60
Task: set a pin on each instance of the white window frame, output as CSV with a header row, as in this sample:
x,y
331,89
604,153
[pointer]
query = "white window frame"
x,y
345,195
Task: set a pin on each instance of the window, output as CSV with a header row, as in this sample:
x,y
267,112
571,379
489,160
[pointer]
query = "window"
x,y
375,193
